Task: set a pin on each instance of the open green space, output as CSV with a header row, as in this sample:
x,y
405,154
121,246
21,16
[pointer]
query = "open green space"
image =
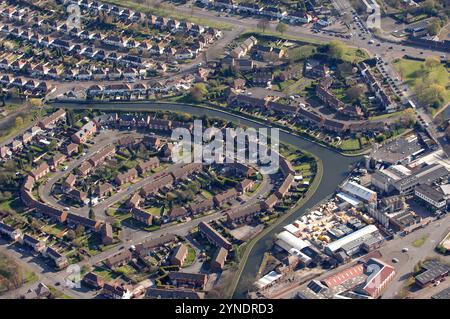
x,y
429,79
14,205
190,257
164,10
420,241
155,211
13,275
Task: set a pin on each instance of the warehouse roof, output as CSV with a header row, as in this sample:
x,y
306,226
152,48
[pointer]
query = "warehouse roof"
x,y
287,241
336,245
359,191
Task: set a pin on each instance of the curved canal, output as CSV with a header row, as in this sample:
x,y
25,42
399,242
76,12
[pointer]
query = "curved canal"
x,y
335,168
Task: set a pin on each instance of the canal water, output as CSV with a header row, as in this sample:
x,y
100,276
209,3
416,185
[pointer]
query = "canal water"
x,y
335,170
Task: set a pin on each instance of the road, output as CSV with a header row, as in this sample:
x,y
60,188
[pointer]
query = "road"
x,y
213,52
106,137
131,237
306,32
393,249
135,236
45,273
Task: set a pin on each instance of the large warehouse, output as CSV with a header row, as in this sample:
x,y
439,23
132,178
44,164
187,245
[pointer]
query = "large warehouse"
x,y
352,242
287,241
359,192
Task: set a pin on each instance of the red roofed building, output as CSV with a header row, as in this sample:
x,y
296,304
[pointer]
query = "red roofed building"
x,y
380,275
344,275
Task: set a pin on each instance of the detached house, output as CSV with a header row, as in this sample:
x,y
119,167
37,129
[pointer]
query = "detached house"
x,y
142,216
184,54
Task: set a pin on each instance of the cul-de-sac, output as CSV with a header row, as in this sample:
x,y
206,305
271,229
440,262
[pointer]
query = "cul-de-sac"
x,y
212,149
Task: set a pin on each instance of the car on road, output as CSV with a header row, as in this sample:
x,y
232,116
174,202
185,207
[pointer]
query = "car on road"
x,y
405,250
395,260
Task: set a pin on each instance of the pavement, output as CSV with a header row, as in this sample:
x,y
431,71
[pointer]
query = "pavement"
x,y
434,232
106,137
131,237
45,273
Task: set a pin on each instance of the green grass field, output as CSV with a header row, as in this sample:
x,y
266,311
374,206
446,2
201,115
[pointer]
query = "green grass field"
x,y
166,11
413,74
155,211
12,206
13,275
353,54
419,242
190,257
385,116
350,145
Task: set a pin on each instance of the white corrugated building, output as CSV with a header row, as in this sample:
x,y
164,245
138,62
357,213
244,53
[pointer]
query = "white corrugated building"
x,y
336,245
287,241
359,191
268,279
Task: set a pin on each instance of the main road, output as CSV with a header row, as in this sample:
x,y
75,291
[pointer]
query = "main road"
x,y
305,32
335,165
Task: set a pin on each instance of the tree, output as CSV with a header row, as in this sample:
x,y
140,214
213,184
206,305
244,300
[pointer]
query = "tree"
x,y
432,95
198,92
347,17
263,24
355,92
77,242
336,49
71,235
434,26
344,69
79,230
281,27
409,117
18,121
431,63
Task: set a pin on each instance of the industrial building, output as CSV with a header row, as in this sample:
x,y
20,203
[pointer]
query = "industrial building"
x,y
432,196
432,270
398,151
365,238
293,245
359,192
404,180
